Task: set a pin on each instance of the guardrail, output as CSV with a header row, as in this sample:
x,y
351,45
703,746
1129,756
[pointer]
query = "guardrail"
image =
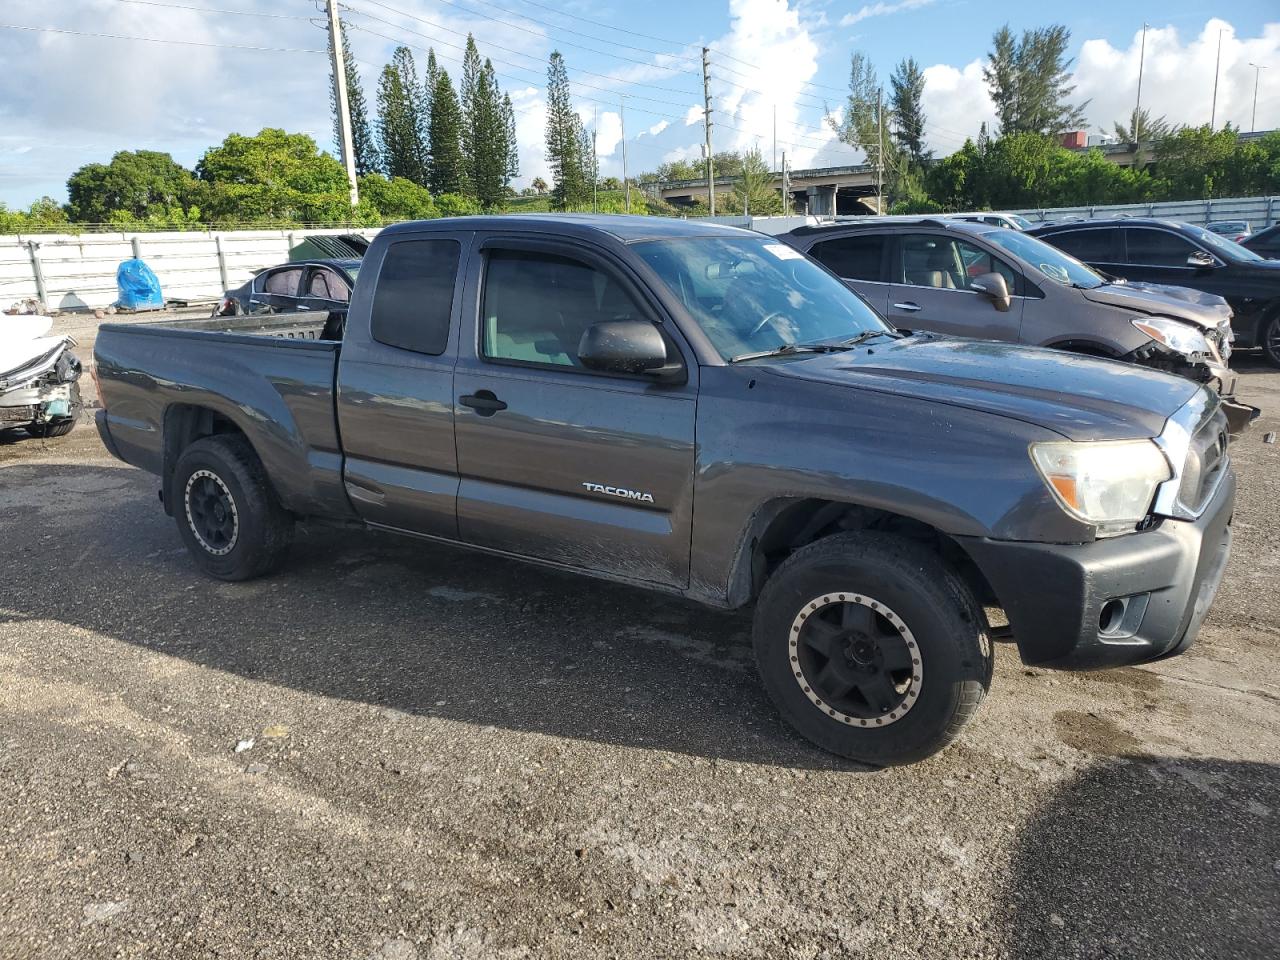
x,y
1259,211
67,272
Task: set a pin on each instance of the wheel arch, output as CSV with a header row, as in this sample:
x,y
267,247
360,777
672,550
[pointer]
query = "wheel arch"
x,y
782,525
184,424
1086,347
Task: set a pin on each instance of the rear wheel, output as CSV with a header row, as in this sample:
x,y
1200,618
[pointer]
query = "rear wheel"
x,y
872,647
227,513
1270,339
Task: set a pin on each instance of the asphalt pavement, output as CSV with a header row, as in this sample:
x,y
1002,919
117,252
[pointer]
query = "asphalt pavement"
x,y
394,750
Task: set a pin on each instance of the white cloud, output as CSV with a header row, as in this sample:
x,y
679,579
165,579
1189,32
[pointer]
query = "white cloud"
x,y
1178,77
880,10
1177,83
608,134
657,128
693,115
955,103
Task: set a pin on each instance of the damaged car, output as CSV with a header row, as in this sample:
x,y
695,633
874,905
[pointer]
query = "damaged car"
x,y
39,377
973,280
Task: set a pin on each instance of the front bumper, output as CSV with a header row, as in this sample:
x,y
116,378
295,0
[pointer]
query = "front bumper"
x,y
1113,602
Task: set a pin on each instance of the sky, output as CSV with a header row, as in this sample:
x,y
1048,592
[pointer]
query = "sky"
x,y
68,99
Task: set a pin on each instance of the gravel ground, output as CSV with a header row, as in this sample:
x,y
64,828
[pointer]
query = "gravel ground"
x,y
399,751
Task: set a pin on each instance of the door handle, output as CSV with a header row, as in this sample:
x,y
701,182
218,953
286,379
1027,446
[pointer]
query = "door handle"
x,y
483,402
908,306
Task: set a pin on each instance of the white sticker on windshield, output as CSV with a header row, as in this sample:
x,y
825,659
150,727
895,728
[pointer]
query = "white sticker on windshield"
x,y
783,252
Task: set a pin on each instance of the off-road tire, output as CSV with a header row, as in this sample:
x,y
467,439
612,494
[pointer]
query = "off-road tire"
x,y
929,603
263,529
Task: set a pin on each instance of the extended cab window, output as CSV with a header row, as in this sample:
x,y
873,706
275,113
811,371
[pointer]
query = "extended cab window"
x,y
537,306
413,298
931,260
853,258
1157,248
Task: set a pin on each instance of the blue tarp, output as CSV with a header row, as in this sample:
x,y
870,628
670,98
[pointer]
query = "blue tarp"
x,y
139,287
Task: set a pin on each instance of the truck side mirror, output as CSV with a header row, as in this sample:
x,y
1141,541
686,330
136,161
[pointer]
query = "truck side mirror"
x,y
994,288
623,346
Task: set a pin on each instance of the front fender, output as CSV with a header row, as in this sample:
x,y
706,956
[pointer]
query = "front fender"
x,y
763,444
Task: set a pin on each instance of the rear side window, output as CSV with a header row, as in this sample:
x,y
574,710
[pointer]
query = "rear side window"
x,y
1157,248
283,282
413,297
853,258
1094,246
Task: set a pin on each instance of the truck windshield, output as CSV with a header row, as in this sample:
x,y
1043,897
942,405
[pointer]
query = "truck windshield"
x,y
1052,262
757,295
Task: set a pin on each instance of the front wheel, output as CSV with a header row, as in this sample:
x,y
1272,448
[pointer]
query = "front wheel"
x,y
1270,339
226,511
872,647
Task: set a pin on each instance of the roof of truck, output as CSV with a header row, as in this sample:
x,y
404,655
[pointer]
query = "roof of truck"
x,y
625,228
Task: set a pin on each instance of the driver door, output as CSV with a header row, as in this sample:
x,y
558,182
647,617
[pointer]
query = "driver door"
x,y
558,462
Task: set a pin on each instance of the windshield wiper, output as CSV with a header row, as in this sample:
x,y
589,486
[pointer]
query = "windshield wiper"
x,y
866,335
787,349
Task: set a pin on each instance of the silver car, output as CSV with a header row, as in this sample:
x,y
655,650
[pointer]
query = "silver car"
x,y
974,280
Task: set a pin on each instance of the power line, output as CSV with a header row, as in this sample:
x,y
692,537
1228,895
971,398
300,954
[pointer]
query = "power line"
x,y
233,13
185,43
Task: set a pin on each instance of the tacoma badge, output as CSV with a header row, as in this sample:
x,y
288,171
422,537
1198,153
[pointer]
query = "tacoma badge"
x,y
620,492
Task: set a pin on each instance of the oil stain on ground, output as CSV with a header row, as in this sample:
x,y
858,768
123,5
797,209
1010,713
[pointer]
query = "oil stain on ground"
x,y
1094,734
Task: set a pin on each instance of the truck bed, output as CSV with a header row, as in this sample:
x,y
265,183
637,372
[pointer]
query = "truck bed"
x,y
269,376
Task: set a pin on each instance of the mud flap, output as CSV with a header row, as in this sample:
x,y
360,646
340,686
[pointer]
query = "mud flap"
x,y
1239,416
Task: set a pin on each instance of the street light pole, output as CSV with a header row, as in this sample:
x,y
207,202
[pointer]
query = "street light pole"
x,y
1137,106
1217,67
1257,71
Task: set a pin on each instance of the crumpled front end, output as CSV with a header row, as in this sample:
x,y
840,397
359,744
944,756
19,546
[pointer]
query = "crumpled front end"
x,y
42,391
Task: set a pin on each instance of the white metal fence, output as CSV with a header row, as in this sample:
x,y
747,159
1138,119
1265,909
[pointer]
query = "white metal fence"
x,y
68,272
1259,211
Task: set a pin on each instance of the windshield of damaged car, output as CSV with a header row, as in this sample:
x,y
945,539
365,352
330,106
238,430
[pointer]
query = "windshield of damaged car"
x,y
1049,260
755,295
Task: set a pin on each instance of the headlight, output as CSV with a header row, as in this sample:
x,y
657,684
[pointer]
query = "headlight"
x,y
1107,483
1177,336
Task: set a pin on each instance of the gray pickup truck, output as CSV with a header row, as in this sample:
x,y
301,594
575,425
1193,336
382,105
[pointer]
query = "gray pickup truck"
x,y
706,412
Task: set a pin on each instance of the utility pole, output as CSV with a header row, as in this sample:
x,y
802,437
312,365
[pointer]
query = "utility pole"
x,y
1257,71
626,184
1217,64
774,164
344,108
879,151
595,166
706,125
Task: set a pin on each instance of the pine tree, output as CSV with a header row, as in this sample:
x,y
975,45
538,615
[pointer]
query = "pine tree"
x,y
564,140
1030,81
363,144
490,155
473,111
400,121
512,144
906,93
448,164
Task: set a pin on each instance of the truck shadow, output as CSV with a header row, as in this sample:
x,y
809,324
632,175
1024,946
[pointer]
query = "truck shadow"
x,y
1147,858
396,623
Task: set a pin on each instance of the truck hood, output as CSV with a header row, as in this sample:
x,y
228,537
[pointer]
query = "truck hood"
x,y
1081,398
1205,310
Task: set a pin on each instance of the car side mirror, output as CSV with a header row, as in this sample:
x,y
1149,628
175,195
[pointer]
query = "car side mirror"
x,y
994,288
1201,260
623,346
